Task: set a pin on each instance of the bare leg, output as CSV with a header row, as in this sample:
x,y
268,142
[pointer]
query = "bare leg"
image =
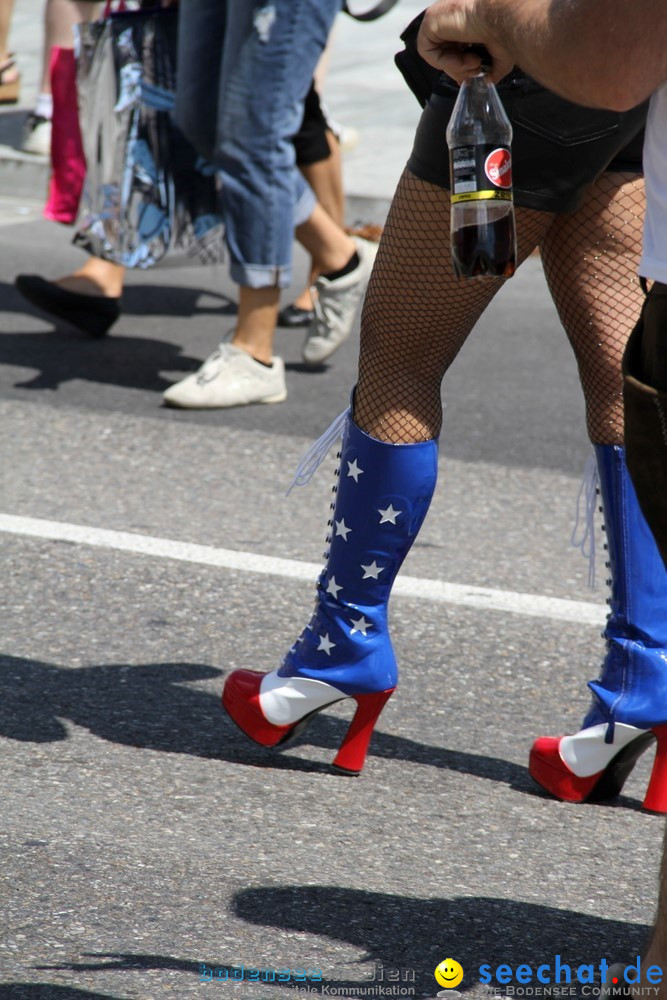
x,y
96,277
327,244
256,321
323,65
10,73
417,314
60,16
6,9
330,249
326,180
590,260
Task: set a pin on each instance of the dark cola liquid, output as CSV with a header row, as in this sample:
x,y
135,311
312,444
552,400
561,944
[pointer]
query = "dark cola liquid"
x,y
485,250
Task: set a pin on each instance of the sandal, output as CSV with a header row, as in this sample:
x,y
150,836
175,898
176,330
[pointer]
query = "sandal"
x,y
9,89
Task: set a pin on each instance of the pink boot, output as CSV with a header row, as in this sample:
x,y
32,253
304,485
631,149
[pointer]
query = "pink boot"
x,y
68,163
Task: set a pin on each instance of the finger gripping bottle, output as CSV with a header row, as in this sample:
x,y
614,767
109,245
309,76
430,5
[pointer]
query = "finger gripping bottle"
x,y
479,135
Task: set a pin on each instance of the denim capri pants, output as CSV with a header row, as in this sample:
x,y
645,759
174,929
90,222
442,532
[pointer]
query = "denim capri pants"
x,y
244,69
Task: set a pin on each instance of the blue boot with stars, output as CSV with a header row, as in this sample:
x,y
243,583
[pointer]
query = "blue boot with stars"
x,y
382,494
629,709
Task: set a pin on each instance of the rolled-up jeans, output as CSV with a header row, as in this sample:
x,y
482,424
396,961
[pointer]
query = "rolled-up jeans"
x,y
244,69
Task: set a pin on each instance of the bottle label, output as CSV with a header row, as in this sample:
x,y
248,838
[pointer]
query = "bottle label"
x,y
481,173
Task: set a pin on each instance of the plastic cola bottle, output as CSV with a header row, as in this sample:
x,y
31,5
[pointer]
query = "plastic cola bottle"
x,y
479,136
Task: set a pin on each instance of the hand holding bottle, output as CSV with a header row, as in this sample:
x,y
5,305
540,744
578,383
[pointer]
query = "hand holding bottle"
x,y
447,38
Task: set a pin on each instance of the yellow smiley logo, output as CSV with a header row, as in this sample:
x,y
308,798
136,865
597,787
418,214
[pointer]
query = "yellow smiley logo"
x,y
449,973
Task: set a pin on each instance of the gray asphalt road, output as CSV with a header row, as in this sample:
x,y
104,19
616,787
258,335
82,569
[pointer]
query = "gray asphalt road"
x,y
144,840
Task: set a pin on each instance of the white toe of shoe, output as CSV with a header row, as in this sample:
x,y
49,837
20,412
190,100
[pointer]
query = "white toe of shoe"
x,y
230,377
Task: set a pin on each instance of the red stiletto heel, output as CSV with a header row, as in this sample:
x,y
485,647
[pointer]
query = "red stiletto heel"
x,y
352,754
242,698
656,794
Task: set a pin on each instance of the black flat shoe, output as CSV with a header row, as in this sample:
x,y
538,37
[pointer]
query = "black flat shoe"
x,y
94,314
294,316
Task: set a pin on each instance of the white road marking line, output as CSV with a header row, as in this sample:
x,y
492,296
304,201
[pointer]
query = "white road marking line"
x,y
512,602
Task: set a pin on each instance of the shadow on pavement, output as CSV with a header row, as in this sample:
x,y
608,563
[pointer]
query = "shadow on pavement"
x,y
123,962
409,935
11,128
175,301
139,300
131,362
143,705
146,705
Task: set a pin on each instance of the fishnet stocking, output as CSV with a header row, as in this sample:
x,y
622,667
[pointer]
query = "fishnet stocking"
x,y
590,261
417,314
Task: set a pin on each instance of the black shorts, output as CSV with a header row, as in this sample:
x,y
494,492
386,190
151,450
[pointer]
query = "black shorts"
x,y
310,142
558,148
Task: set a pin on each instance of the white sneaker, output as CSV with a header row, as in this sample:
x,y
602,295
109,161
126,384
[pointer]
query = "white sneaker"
x,y
36,135
230,377
336,306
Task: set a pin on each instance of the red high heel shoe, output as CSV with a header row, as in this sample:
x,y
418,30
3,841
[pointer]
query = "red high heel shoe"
x,y
583,768
629,707
272,710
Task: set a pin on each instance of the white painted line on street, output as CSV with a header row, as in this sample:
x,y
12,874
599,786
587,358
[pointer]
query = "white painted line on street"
x,y
532,605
